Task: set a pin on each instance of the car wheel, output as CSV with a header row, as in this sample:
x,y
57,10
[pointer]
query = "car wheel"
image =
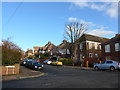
x,y
112,68
96,68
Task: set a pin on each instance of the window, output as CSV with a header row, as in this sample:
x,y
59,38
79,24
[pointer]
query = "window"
x,y
117,47
99,46
93,45
107,48
90,55
43,51
103,62
81,46
108,62
96,45
90,45
68,52
96,54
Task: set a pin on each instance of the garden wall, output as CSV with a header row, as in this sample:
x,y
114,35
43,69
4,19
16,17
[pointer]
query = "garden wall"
x,y
11,69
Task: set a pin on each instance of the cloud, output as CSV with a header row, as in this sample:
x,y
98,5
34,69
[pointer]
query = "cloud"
x,y
108,8
87,23
99,32
72,19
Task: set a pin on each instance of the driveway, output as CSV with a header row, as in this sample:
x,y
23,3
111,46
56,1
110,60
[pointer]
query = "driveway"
x,y
64,77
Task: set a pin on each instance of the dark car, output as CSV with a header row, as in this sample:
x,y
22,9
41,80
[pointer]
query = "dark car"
x,y
35,65
23,62
36,60
28,62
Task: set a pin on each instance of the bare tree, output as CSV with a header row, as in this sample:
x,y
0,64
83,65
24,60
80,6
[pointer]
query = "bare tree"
x,y
73,32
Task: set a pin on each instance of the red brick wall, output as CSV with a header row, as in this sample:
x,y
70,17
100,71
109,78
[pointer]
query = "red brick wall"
x,y
3,70
112,54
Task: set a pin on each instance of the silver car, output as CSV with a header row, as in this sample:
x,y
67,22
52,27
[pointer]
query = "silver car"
x,y
108,64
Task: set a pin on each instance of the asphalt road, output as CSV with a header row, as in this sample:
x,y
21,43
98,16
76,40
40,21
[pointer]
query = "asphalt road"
x,y
64,77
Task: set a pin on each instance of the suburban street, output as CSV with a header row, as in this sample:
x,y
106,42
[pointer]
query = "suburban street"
x,y
66,77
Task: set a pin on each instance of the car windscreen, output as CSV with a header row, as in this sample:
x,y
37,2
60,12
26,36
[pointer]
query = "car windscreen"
x,y
37,63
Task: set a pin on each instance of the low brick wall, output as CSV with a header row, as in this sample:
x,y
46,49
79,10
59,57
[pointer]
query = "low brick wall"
x,y
6,71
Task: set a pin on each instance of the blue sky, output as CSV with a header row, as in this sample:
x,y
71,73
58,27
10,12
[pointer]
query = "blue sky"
x,y
31,24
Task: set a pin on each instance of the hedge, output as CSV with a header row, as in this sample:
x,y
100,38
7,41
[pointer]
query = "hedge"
x,y
11,53
66,61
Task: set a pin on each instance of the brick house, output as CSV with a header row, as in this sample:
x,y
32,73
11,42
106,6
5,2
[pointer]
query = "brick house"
x,y
89,48
111,49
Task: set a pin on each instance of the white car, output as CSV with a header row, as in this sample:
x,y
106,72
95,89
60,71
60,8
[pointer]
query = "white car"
x,y
47,62
108,64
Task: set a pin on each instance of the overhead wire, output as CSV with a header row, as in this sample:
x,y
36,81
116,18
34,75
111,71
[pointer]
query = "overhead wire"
x,y
10,18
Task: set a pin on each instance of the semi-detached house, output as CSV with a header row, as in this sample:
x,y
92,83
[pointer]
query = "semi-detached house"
x,y
90,48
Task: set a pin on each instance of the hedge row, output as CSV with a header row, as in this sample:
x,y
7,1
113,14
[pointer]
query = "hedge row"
x,y
66,61
11,53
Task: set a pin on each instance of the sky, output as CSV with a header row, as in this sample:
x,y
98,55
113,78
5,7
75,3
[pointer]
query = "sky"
x,y
30,24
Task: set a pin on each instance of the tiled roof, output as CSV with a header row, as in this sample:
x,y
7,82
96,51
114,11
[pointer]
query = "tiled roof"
x,y
92,38
64,44
48,46
36,48
116,38
51,46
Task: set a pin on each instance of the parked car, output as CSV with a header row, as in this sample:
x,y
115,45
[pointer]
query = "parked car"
x,y
47,61
108,64
35,65
36,60
96,62
28,63
57,63
23,62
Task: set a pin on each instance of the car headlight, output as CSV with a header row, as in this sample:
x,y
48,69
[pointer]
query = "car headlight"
x,y
24,62
42,65
35,66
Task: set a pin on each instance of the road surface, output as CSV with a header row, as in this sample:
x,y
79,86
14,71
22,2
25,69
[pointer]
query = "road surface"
x,y
64,77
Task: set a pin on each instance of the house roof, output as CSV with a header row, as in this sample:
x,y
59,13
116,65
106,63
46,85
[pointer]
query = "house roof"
x,y
36,48
93,38
63,45
48,46
116,38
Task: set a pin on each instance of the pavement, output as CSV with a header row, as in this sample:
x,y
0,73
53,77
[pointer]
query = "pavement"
x,y
24,73
78,67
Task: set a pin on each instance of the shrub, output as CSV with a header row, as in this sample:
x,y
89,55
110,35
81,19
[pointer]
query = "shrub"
x,y
11,53
45,56
66,61
31,57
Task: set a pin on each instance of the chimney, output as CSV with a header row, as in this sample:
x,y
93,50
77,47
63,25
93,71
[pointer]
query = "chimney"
x,y
49,42
64,41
